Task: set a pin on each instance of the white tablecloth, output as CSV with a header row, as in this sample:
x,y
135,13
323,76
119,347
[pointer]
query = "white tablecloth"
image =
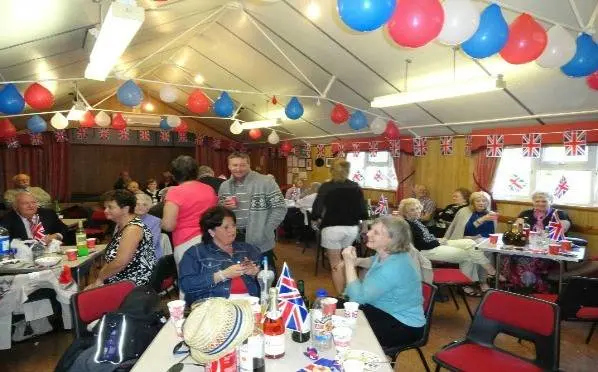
x,y
158,356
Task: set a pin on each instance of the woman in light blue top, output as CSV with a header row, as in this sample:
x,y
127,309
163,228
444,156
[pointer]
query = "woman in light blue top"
x,y
391,292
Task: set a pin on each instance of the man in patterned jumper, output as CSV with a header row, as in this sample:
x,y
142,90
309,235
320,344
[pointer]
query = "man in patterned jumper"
x,y
257,202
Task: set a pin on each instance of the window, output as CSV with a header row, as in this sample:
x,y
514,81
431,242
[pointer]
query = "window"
x,y
572,179
376,172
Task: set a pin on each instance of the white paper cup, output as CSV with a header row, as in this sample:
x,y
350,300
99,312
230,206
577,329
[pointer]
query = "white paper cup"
x,y
353,365
342,338
176,309
351,310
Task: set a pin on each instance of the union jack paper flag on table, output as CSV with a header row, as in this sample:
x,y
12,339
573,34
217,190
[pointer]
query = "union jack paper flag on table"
x,y
555,227
382,208
494,145
420,146
290,302
561,188
446,145
531,144
575,142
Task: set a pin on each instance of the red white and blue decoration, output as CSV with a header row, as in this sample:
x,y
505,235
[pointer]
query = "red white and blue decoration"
x,y
382,207
468,142
356,148
224,106
165,137
358,176
294,109
104,134
36,139
144,135
373,148
516,183
556,231
446,145
216,143
294,312
365,15
11,101
320,153
420,146
60,136
182,137
378,176
575,142
531,145
129,94
562,188
81,134
340,150
494,145
395,148
123,134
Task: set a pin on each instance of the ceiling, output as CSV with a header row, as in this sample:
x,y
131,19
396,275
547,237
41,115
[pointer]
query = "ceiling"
x,y
270,47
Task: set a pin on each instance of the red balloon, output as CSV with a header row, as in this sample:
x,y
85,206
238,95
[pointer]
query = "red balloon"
x,y
286,146
88,120
7,129
527,40
391,132
38,97
198,102
255,133
118,122
183,127
592,80
339,114
416,22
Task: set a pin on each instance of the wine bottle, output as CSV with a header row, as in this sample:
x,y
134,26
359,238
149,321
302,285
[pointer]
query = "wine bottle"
x,y
251,352
301,288
81,239
274,329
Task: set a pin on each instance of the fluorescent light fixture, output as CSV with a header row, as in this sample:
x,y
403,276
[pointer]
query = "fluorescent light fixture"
x,y
457,89
123,20
77,111
261,124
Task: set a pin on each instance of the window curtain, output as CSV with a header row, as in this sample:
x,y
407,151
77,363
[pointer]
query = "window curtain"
x,y
266,160
213,158
48,165
405,171
483,173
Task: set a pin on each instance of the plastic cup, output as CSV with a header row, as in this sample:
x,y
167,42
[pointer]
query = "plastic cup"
x,y
566,245
176,309
71,254
233,199
342,338
493,216
351,310
353,365
553,248
493,238
91,243
329,305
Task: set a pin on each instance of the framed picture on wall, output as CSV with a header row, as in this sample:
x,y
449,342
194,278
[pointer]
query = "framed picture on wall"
x,y
301,163
308,164
329,162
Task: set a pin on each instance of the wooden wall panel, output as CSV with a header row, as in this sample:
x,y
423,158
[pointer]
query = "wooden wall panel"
x,y
96,167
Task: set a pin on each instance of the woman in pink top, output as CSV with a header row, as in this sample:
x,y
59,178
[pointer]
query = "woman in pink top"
x,y
185,204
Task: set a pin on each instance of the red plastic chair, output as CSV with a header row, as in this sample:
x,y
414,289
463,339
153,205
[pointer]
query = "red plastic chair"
x,y
87,306
453,278
516,315
429,292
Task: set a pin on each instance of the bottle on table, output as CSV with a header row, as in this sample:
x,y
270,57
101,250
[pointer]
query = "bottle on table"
x,y
301,288
321,323
4,242
526,228
304,334
274,329
81,240
265,278
251,352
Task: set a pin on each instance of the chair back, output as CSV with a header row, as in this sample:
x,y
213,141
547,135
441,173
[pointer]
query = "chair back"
x,y
521,317
164,273
429,294
89,305
579,292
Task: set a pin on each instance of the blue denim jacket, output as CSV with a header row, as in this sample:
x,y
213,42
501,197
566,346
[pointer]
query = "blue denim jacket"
x,y
201,261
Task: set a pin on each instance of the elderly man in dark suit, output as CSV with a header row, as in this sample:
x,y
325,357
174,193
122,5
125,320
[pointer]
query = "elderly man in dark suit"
x,y
28,221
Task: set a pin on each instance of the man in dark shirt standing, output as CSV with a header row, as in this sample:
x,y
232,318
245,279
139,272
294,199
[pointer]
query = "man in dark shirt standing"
x,y
206,175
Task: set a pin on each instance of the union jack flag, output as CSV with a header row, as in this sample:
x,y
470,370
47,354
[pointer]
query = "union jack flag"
x,y
13,143
81,134
200,139
340,150
104,133
516,183
420,146
446,145
531,144
293,309
320,149
36,139
382,207
164,136
182,137
144,135
356,148
123,134
37,229
378,176
555,227
395,148
494,145
562,188
468,140
216,143
293,150
358,177
373,148
60,135
575,142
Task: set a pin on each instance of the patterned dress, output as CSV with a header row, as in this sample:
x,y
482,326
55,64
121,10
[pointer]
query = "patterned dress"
x,y
140,268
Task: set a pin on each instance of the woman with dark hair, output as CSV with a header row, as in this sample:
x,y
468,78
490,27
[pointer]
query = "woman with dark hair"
x,y
219,266
444,218
130,253
185,204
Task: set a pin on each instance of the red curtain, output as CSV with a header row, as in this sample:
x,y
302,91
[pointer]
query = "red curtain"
x,y
405,170
214,158
48,165
484,170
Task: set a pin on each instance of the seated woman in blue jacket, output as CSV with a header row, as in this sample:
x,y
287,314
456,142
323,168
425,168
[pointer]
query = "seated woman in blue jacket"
x,y
391,292
219,266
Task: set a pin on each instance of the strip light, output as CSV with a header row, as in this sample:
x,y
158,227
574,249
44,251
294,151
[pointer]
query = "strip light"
x,y
464,88
261,124
123,20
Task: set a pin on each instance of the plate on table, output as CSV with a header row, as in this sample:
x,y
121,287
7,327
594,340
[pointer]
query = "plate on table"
x,y
371,361
48,261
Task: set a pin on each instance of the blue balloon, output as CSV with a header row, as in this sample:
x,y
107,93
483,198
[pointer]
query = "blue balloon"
x,y
224,106
491,35
358,121
585,60
365,15
36,124
11,101
294,109
129,94
164,124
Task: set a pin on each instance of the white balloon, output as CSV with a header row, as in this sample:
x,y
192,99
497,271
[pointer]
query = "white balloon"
x,y
236,127
173,121
102,119
59,121
559,50
378,126
461,20
273,138
168,93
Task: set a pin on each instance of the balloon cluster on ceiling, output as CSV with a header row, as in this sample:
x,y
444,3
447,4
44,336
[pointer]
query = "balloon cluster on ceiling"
x,y
415,23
